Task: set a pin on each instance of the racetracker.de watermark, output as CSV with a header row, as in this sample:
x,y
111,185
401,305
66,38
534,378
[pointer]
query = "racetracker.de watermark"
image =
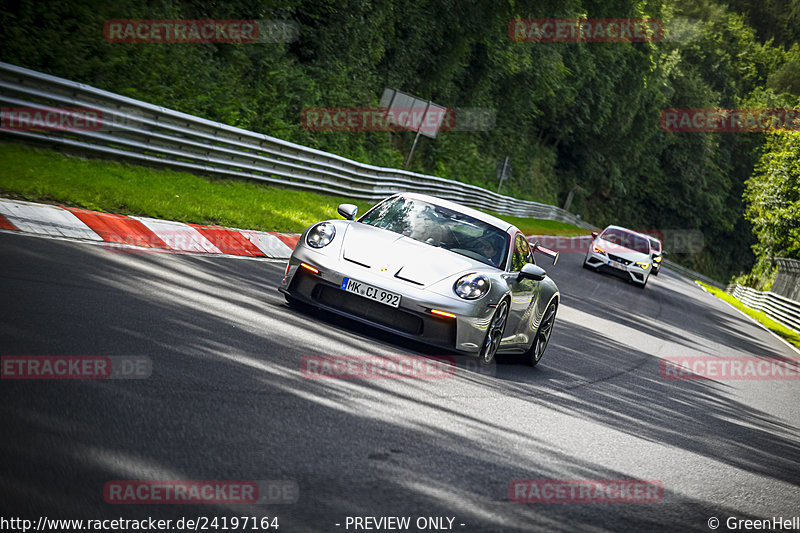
x,y
556,30
45,118
181,492
176,31
359,119
75,367
356,367
187,240
50,119
738,368
585,491
729,120
679,241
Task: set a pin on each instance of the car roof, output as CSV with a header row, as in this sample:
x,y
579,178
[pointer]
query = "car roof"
x,y
629,231
474,213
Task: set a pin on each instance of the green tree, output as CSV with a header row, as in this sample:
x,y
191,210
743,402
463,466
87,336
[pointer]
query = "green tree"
x,y
773,204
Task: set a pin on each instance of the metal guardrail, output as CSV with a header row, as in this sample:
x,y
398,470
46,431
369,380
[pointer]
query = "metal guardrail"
x,y
154,135
780,309
787,282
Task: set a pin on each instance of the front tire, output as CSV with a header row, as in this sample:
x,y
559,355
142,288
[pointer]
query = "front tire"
x,y
542,337
494,334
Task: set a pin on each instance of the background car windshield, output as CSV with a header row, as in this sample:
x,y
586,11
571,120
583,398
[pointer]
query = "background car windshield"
x,y
626,239
441,227
656,245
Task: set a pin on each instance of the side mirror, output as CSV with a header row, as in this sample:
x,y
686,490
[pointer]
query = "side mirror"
x,y
348,211
531,271
594,234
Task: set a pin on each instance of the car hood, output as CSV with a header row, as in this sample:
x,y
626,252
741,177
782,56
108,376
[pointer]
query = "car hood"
x,y
395,255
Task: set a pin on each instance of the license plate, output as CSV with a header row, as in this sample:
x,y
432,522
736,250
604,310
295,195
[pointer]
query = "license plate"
x,y
373,293
617,265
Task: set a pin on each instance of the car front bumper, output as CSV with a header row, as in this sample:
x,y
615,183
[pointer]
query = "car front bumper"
x,y
412,318
631,272
656,266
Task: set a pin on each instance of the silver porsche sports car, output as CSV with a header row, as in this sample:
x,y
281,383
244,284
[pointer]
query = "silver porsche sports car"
x,y
431,270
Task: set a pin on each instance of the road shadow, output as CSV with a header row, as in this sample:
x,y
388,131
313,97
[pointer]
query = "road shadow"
x,y
227,400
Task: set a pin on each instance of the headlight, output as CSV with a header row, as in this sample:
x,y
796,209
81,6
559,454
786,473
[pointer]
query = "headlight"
x,y
657,259
320,235
471,286
596,249
643,265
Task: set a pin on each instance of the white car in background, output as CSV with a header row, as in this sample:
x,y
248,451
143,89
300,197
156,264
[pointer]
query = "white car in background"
x,y
621,252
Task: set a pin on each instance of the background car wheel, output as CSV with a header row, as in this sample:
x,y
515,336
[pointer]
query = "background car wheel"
x,y
494,334
542,337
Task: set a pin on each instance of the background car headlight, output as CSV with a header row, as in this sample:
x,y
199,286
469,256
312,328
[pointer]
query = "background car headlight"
x,y
472,286
643,265
657,259
320,235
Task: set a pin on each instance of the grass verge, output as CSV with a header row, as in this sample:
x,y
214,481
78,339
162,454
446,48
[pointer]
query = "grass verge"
x,y
781,330
39,175
122,188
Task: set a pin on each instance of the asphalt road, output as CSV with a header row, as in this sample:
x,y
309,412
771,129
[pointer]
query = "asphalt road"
x,y
226,400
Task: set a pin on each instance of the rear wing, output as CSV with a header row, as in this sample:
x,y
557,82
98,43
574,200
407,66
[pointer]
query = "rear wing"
x,y
546,251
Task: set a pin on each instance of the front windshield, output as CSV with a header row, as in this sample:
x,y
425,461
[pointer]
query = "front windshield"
x,y
441,227
626,239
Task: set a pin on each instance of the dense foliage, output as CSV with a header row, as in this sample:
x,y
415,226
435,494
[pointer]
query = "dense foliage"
x,y
773,194
572,117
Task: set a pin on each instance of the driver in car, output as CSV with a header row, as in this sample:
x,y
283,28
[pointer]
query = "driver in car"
x,y
488,247
425,227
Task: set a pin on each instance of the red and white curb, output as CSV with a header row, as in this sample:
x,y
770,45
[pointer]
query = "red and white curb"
x,y
146,233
